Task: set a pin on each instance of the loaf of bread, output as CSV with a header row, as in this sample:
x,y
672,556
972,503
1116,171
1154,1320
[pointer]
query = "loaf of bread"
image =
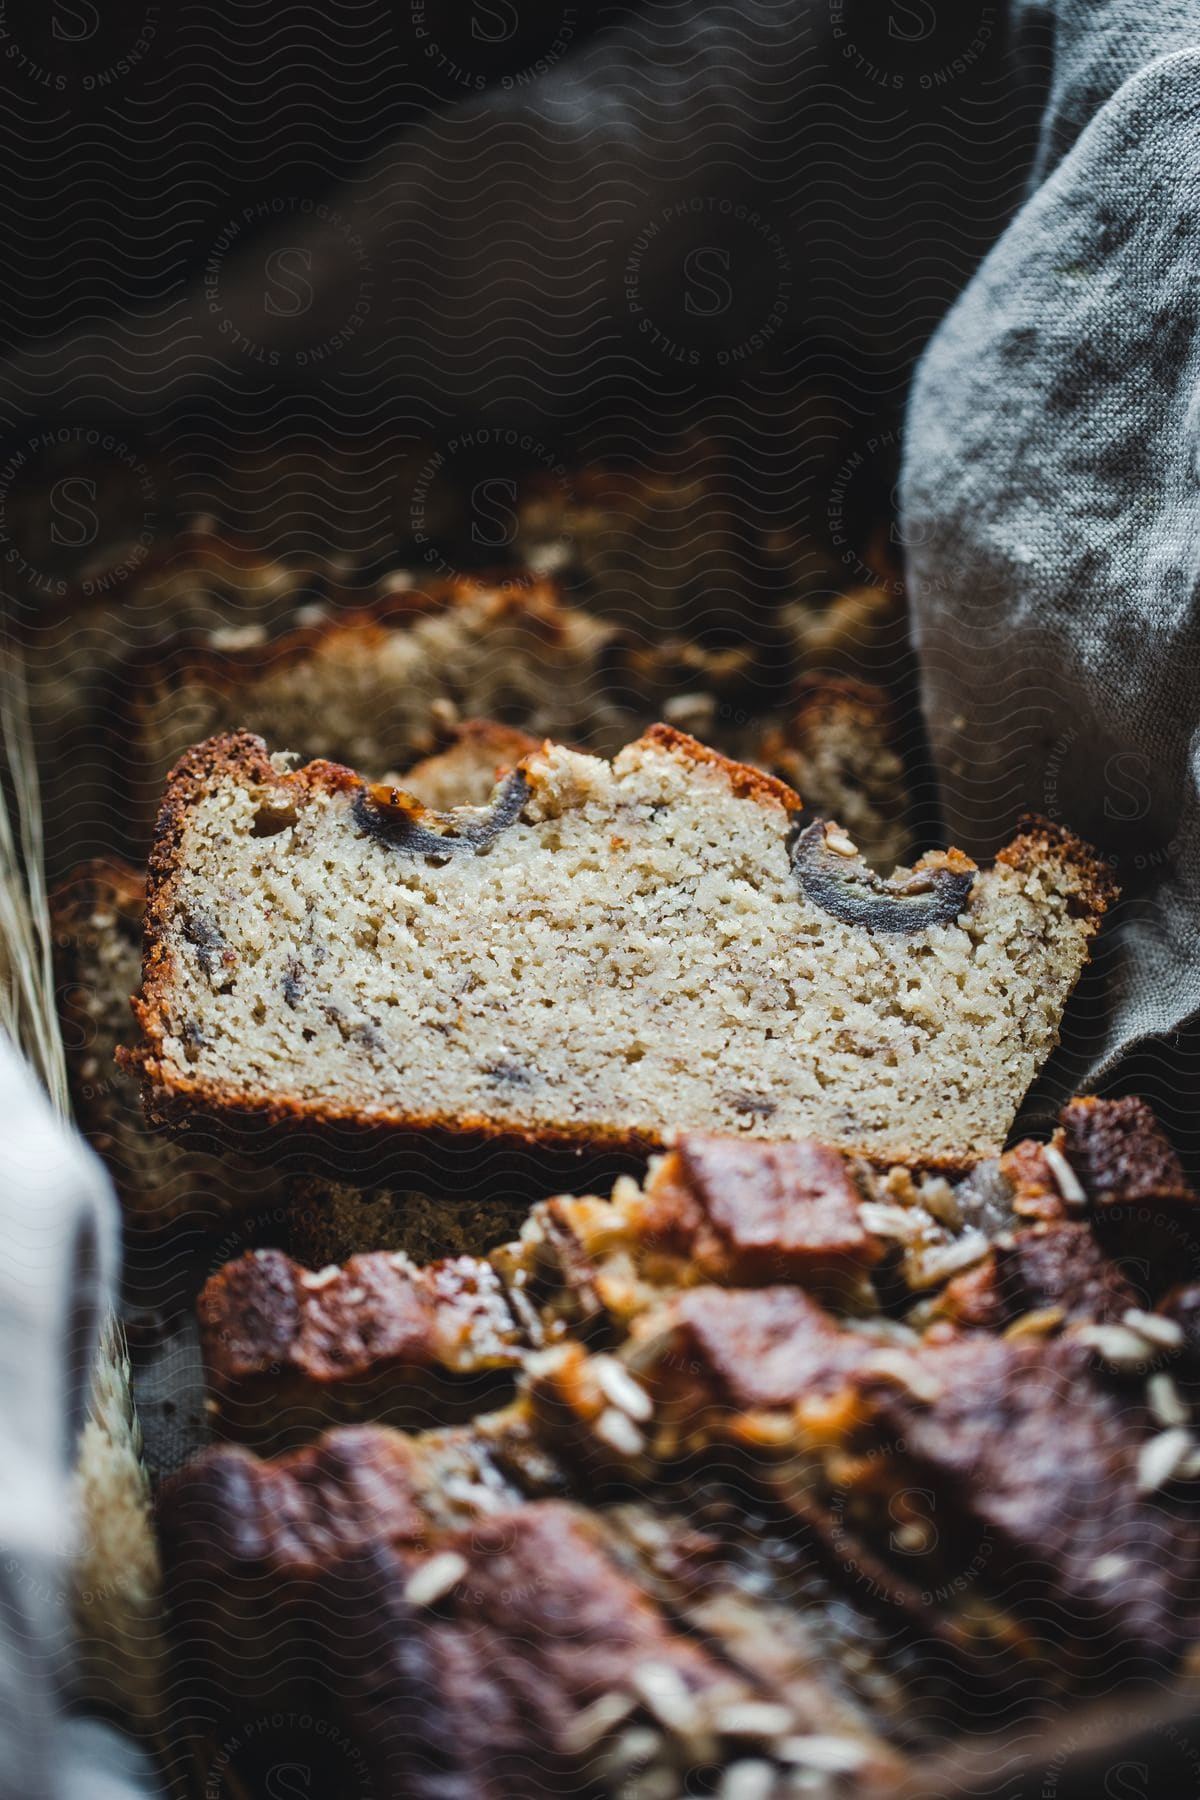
x,y
880,1531
1032,1492
604,954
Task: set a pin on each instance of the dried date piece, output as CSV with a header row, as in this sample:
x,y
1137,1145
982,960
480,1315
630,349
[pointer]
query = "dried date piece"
x,y
836,879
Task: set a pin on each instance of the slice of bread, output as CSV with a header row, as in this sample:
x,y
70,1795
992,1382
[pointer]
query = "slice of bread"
x,y
454,1639
289,1349
838,748
97,920
375,687
606,954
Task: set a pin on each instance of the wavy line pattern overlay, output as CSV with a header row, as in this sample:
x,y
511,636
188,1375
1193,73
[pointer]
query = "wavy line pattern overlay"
x,y
372,368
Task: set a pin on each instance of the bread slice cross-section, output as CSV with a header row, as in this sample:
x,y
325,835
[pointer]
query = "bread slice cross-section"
x,y
604,954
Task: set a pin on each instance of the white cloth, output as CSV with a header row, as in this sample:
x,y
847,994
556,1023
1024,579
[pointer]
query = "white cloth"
x,y
58,1230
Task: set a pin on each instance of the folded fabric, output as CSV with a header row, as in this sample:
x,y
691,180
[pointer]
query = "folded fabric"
x,y
1051,502
58,1227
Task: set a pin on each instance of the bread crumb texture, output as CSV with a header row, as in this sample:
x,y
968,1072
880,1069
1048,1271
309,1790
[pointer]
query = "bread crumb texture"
x,y
634,953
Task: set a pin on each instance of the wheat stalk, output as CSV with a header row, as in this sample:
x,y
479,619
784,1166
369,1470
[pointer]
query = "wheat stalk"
x,y
27,1008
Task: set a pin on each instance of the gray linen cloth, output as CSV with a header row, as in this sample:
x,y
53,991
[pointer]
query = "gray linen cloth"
x,y
1051,509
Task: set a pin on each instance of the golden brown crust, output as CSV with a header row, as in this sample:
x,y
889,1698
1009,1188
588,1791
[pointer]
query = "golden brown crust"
x,y
746,782
1040,840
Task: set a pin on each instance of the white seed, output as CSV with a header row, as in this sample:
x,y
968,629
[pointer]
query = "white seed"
x,y
1164,1334
1116,1345
547,1362
596,1721
1161,1458
237,637
321,1279
747,1781
1068,1182
840,844
633,1749
527,1316
906,1371
434,1579
618,1385
618,1431
1166,1402
890,1221
934,1265
753,1719
1109,1568
832,1755
548,559
665,1692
